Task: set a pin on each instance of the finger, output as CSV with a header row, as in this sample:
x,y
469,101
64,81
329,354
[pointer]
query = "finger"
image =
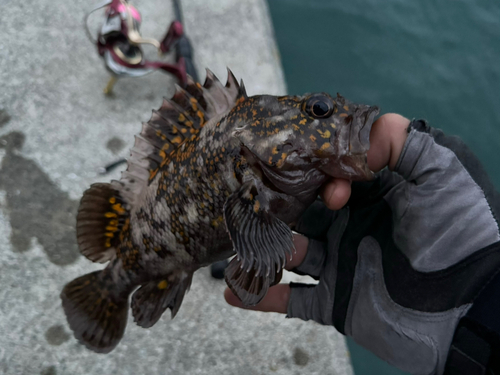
x,y
300,242
387,139
311,302
296,300
336,193
276,300
311,257
316,220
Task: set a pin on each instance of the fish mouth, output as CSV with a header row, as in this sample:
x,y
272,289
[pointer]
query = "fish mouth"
x,y
352,167
349,160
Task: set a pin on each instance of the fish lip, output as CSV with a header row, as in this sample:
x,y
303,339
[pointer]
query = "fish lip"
x,y
351,160
353,167
359,137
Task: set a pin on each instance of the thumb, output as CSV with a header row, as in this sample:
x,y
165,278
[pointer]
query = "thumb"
x,y
276,300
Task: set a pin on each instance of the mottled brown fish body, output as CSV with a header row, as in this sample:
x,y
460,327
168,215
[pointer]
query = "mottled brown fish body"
x,y
213,172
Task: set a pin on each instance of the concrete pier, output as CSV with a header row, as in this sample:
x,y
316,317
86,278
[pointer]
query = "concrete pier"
x,y
56,129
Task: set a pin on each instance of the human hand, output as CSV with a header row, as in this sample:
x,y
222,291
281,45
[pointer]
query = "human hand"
x,y
387,139
403,262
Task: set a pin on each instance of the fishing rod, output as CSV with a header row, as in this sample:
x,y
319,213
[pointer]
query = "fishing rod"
x,y
119,56
183,48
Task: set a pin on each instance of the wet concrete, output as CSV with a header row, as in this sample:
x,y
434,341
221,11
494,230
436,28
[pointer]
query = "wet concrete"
x,y
57,335
36,207
51,370
300,357
115,145
56,130
4,117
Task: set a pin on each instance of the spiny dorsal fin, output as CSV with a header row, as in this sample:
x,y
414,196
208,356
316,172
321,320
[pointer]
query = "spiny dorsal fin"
x,y
242,93
178,119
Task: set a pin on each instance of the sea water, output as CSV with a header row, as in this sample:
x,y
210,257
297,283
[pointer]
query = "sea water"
x,y
437,60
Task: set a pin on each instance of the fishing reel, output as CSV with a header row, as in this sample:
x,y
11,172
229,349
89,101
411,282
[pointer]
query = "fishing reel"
x,y
119,42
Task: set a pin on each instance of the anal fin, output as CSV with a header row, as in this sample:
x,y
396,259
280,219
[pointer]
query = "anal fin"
x,y
150,301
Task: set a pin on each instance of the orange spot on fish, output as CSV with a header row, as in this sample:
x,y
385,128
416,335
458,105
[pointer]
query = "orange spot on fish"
x,y
162,284
256,206
153,172
325,134
118,208
324,146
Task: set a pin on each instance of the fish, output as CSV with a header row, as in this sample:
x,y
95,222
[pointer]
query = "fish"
x,y
212,174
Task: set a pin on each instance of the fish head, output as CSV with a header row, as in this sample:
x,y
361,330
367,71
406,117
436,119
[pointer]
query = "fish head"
x,y
290,135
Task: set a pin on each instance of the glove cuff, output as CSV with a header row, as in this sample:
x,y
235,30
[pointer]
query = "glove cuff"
x,y
313,261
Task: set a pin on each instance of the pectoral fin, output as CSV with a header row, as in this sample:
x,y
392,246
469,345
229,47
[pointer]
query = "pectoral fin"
x,y
247,286
262,243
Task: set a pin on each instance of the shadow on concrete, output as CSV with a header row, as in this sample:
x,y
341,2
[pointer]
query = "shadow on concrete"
x,y
36,206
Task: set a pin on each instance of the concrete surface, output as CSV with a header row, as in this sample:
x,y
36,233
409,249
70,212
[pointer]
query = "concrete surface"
x,y
56,130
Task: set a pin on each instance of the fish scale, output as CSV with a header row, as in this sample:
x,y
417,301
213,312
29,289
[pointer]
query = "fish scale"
x,y
212,173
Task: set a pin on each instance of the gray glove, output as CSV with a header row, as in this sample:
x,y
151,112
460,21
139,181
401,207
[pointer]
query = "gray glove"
x,y
403,261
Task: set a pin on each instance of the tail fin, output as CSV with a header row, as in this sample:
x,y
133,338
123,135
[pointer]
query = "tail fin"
x,y
96,313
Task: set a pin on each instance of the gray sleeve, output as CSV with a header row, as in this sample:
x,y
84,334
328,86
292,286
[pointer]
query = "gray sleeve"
x,y
441,214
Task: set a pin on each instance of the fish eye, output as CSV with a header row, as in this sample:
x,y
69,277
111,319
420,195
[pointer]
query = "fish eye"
x,y
319,106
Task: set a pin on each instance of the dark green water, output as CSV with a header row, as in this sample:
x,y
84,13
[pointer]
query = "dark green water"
x,y
438,60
